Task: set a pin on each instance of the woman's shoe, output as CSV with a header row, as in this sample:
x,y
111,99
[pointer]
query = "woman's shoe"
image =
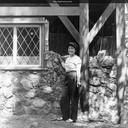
x,y
59,119
70,121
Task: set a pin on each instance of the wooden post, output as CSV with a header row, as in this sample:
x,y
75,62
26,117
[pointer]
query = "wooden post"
x,y
121,65
46,29
84,54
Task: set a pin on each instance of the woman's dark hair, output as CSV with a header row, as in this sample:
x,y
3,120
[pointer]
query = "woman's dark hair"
x,y
76,46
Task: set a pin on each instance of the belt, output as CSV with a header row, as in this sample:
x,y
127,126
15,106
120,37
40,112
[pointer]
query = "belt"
x,y
71,71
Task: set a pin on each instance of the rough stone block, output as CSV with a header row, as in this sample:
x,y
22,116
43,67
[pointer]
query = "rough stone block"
x,y
47,89
30,110
39,103
26,102
7,92
27,84
10,102
18,109
7,81
31,94
34,78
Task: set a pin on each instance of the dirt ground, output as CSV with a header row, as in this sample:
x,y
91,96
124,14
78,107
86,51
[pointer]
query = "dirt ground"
x,y
49,122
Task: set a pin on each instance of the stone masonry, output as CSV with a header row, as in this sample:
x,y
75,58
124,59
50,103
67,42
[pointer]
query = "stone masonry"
x,y
38,92
102,81
32,92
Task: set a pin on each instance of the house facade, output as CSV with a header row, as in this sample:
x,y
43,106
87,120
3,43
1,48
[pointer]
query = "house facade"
x,y
32,34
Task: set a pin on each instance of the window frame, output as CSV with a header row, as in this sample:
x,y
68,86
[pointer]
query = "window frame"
x,y
44,37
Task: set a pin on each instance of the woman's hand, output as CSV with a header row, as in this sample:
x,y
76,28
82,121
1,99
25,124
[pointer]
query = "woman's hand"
x,y
78,83
59,57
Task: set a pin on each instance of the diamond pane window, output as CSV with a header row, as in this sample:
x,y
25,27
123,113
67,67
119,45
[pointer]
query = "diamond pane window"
x,y
28,50
6,45
23,42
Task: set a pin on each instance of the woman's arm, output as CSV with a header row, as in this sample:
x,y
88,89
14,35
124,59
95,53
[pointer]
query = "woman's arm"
x,y
78,72
61,61
63,64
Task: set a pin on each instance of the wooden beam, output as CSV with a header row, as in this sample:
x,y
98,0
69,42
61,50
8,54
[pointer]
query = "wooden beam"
x,y
67,23
24,20
70,27
39,11
98,25
121,60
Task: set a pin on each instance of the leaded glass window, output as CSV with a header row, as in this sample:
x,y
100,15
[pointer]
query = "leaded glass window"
x,y
20,45
6,45
28,48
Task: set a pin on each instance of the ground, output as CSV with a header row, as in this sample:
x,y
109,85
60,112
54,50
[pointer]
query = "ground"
x,y
49,122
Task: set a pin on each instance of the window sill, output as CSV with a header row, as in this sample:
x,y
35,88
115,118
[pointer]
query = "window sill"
x,y
22,69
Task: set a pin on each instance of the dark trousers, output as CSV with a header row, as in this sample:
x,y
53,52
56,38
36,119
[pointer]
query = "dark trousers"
x,y
70,96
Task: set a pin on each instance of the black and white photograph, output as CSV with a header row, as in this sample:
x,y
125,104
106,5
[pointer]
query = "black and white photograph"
x,y
63,63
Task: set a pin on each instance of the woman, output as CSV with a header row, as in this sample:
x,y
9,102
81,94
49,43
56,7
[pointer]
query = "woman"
x,y
70,94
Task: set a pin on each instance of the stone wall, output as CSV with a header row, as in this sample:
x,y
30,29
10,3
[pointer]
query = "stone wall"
x,y
32,92
38,92
102,95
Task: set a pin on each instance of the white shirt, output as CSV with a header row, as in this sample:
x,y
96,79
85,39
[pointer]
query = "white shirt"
x,y
71,63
